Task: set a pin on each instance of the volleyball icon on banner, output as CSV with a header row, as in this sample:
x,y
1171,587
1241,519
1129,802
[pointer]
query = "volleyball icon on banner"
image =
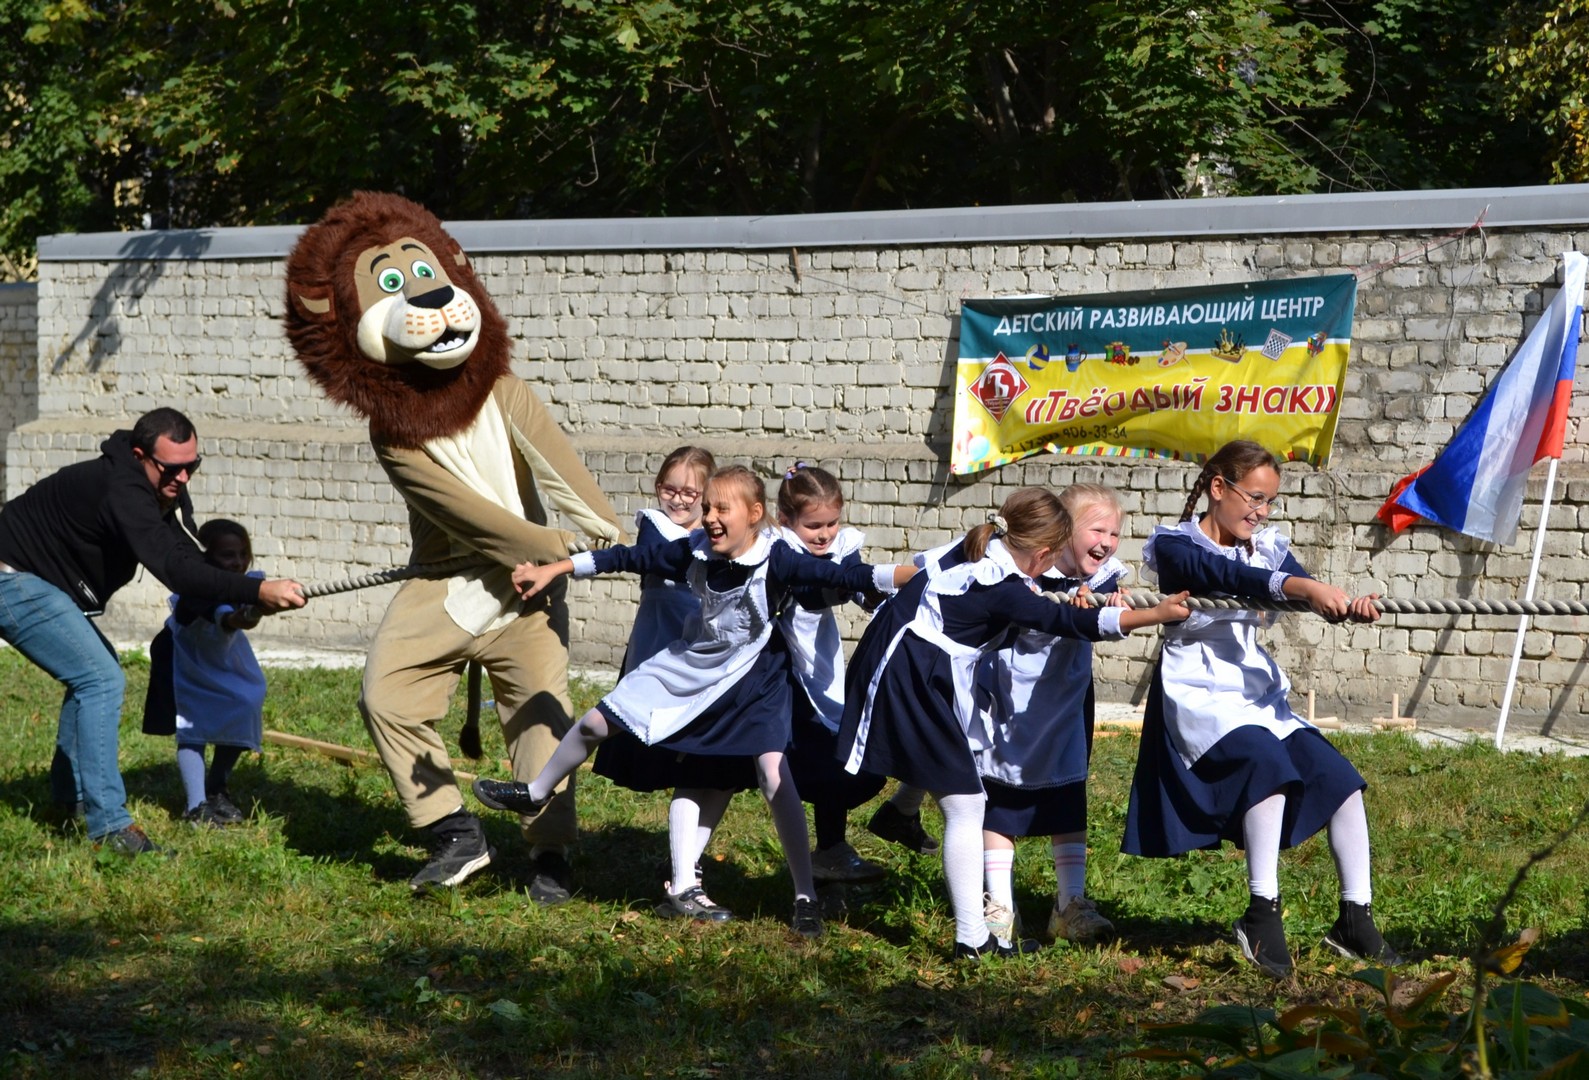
x,y
1037,357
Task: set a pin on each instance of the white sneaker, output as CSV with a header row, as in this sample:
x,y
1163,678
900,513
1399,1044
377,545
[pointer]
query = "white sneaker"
x,y
1003,923
1079,921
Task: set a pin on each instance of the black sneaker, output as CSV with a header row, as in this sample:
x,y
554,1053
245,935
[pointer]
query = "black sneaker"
x,y
204,815
1354,935
131,841
807,919
552,882
224,809
1262,937
995,948
841,862
510,795
894,825
693,903
458,848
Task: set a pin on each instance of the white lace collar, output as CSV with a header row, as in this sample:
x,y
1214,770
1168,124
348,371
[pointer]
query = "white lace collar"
x,y
846,543
1269,545
701,548
670,529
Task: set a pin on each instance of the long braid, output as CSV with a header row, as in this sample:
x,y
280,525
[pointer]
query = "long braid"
x,y
1199,486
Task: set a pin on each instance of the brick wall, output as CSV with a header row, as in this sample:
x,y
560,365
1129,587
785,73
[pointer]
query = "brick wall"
x,y
843,356
19,378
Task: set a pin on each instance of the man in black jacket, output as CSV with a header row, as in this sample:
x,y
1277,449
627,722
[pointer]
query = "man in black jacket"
x,y
66,545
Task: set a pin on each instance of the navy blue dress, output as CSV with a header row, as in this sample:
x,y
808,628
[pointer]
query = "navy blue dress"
x,y
1235,724
909,701
724,691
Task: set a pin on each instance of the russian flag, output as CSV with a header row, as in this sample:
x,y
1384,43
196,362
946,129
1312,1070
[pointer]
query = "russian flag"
x,y
1475,485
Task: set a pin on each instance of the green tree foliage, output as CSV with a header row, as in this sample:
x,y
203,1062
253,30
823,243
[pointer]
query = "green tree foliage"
x,y
1424,110
1542,63
160,113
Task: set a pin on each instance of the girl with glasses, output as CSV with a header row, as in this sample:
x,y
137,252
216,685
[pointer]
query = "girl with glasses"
x,y
1223,756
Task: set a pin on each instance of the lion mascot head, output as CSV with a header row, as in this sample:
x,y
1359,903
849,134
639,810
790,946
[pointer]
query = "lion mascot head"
x,y
388,318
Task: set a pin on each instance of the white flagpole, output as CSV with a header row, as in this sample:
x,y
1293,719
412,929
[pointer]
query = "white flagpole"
x,y
1528,594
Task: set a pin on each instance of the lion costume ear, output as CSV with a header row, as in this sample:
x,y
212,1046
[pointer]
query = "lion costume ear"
x,y
458,257
313,302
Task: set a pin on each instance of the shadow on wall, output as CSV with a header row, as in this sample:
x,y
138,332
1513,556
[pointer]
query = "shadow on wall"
x,y
143,256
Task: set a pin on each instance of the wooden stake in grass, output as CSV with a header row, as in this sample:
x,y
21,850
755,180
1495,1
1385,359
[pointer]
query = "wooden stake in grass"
x,y
1333,722
1396,719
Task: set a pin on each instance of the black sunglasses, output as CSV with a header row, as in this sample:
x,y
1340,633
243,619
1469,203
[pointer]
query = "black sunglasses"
x,y
169,470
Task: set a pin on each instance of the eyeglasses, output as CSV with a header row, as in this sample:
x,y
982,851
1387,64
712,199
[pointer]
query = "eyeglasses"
x,y
170,470
684,495
1257,500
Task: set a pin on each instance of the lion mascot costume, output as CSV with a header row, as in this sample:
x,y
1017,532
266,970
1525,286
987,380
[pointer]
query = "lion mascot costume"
x,y
388,318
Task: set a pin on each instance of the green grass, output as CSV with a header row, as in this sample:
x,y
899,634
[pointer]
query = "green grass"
x,y
289,947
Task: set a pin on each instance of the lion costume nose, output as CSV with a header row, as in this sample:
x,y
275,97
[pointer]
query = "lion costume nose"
x,y
436,298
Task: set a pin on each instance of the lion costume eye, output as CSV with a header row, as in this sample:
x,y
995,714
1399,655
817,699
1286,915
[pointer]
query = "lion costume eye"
x,y
423,269
391,279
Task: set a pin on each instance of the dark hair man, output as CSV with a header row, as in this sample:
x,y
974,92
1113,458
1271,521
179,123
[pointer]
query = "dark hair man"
x,y
66,545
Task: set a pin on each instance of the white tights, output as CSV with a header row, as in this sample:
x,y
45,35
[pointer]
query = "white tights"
x,y
1348,836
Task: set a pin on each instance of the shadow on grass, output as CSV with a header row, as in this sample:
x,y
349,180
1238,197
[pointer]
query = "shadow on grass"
x,y
449,1007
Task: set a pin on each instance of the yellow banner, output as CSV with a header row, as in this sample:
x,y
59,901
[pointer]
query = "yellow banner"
x,y
1173,373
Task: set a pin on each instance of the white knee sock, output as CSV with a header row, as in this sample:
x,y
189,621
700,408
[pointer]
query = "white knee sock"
x,y
1070,872
1260,829
1348,835
684,823
962,864
998,871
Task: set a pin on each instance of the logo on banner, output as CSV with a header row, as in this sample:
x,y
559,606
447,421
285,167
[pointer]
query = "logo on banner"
x,y
1275,346
998,386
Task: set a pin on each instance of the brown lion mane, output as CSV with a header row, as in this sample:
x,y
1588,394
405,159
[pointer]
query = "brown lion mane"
x,y
406,404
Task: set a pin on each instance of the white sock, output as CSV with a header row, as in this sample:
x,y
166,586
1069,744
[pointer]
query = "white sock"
x,y
1260,829
1348,835
998,870
1070,872
684,821
962,864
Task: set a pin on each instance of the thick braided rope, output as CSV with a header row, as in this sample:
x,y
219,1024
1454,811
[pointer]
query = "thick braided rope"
x,y
445,568
1386,606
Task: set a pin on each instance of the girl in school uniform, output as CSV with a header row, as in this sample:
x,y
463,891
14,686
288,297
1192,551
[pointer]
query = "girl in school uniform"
x,y
810,517
909,703
1223,756
723,691
666,607
1039,699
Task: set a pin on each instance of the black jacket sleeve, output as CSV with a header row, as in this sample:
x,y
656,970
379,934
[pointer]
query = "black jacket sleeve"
x,y
1182,564
157,541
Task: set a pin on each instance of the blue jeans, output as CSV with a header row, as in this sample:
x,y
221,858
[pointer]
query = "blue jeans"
x,y
43,624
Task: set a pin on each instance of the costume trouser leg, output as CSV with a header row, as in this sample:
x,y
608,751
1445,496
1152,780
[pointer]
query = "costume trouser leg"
x,y
43,624
411,673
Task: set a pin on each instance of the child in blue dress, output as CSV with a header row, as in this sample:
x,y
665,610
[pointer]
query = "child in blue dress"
x,y
724,689
810,515
910,708
1039,697
1223,756
205,685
